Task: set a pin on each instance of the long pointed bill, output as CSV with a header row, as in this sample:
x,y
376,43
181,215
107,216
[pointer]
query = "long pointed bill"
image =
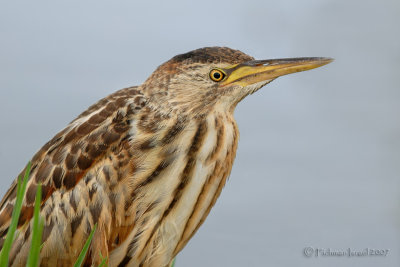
x,y
265,70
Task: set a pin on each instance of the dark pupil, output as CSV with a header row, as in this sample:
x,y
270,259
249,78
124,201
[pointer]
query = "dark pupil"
x,y
217,75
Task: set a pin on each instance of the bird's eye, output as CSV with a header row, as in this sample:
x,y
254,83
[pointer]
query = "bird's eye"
x,y
217,75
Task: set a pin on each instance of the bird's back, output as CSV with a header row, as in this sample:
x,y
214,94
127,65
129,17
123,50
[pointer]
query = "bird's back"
x,y
147,179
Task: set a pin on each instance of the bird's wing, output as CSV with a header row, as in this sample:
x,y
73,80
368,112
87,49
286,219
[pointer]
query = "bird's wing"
x,y
65,159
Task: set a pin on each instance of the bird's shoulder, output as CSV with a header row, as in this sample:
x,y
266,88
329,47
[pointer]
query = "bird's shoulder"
x,y
60,164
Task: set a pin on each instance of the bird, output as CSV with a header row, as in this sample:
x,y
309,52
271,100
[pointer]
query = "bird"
x,y
145,164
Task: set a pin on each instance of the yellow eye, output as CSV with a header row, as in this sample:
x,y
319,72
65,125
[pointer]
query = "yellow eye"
x,y
217,75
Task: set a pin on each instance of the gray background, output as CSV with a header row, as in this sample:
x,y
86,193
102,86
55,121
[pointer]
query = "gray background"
x,y
318,160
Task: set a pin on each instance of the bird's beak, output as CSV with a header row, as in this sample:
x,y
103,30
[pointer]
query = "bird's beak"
x,y
255,71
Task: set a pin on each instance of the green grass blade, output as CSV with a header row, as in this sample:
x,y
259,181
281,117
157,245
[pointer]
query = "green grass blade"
x,y
173,262
37,229
85,249
15,216
103,262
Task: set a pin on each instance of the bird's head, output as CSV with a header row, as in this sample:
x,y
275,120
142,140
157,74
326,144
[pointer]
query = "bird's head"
x,y
201,79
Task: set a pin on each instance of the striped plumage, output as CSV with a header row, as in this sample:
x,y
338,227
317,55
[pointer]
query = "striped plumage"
x,y
146,164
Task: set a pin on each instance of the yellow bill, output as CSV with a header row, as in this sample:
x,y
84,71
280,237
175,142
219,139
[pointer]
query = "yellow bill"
x,y
264,70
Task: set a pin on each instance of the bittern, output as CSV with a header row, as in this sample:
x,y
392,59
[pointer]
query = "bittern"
x,y
146,163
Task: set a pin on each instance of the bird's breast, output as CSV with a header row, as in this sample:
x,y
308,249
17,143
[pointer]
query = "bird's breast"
x,y
184,184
